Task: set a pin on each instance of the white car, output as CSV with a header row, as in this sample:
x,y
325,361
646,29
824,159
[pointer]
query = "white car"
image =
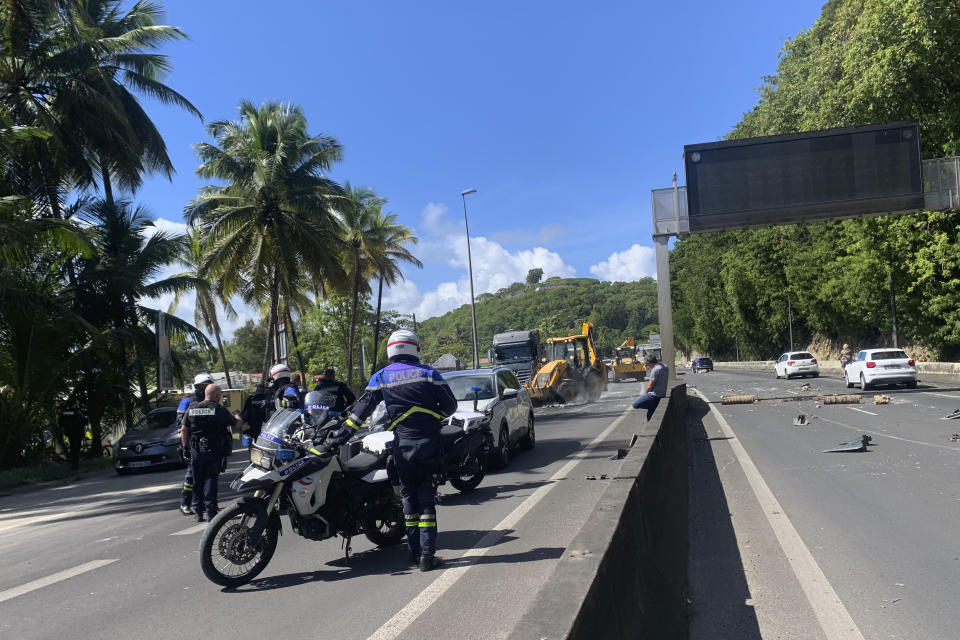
x,y
881,366
501,396
796,363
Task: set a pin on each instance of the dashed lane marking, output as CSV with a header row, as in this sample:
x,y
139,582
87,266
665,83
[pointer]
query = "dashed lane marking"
x,y
399,623
869,413
943,395
53,579
834,619
197,528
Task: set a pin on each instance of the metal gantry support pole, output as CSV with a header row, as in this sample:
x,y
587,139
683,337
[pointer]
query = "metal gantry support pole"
x,y
664,303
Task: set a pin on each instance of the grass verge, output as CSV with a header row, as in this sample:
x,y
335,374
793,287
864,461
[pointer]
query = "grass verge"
x,y
49,472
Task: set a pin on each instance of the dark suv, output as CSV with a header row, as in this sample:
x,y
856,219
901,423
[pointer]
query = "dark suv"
x,y
702,364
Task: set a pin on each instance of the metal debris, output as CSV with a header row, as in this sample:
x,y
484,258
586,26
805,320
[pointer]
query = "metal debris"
x,y
603,476
800,421
881,399
955,437
860,444
952,416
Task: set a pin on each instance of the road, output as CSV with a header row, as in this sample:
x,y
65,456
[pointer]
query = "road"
x,y
111,556
879,526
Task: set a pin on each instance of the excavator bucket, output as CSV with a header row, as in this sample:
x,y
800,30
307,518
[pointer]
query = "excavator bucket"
x,y
541,396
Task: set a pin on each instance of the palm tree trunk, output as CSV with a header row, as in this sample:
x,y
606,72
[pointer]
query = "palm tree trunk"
x,y
268,349
376,329
223,359
296,348
141,373
107,186
353,319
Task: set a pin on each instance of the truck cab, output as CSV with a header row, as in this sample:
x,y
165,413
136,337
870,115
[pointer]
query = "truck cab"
x,y
518,351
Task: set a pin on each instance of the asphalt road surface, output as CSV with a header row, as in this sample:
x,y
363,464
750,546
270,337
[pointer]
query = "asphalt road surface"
x,y
839,545
112,557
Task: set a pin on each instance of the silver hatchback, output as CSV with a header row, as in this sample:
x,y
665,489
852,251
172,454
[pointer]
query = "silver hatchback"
x,y
152,442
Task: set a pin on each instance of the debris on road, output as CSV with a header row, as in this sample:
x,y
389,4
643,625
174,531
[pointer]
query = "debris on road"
x,y
955,437
881,399
800,421
860,444
843,398
952,416
738,399
805,387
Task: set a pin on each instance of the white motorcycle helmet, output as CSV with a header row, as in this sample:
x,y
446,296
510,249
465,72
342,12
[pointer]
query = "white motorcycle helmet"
x,y
279,371
202,378
403,342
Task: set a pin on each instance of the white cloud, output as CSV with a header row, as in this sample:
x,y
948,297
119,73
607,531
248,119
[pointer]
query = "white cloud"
x,y
169,227
625,266
494,267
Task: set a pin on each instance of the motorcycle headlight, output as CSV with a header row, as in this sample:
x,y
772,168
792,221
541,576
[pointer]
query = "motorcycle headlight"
x,y
260,459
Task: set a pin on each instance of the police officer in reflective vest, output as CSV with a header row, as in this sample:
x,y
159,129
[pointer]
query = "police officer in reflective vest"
x,y
203,435
416,399
73,423
200,382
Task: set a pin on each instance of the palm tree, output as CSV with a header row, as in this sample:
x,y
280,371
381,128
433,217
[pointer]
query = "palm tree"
x,y
392,240
205,309
274,220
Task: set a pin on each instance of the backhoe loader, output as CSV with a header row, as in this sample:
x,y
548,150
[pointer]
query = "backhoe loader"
x,y
572,371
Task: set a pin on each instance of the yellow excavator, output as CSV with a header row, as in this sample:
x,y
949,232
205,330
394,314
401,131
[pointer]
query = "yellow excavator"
x,y
627,362
573,371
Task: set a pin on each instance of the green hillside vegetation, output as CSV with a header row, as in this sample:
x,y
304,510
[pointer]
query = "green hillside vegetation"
x,y
862,62
555,308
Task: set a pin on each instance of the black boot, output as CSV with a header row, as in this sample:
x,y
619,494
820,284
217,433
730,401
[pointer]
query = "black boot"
x,y
429,561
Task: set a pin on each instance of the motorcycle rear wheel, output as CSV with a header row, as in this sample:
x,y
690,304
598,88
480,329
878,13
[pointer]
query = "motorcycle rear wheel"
x,y
469,483
226,556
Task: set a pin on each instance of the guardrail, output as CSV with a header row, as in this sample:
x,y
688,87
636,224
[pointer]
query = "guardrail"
x,y
930,371
624,575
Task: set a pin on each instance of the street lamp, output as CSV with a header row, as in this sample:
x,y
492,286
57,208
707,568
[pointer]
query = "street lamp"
x,y
473,308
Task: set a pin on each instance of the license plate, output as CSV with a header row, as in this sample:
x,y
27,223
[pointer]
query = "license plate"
x,y
891,366
142,463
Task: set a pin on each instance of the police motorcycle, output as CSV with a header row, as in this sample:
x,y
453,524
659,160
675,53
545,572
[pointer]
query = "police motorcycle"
x,y
465,442
322,495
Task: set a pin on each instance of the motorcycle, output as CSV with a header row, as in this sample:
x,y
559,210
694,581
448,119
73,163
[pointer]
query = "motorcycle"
x,y
465,442
322,494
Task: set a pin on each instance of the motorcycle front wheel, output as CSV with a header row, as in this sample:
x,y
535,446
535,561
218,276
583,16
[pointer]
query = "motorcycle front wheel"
x,y
385,529
473,473
227,555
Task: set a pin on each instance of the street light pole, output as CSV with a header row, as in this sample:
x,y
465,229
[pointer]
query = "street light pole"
x,y
473,308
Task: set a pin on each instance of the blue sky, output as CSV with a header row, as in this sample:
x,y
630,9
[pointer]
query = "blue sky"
x,y
562,115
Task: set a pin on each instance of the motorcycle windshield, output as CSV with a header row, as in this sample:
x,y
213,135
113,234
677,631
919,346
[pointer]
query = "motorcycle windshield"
x,y
318,405
272,434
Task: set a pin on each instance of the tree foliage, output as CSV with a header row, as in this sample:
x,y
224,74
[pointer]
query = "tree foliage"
x,y
862,62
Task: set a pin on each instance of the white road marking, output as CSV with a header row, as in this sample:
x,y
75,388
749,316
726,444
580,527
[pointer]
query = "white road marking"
x,y
197,528
835,620
20,522
943,395
871,413
395,626
52,579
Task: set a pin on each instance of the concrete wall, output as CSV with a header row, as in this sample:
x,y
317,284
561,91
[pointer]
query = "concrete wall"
x,y
624,575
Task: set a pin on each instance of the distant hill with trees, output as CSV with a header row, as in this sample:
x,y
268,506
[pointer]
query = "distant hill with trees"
x,y
555,307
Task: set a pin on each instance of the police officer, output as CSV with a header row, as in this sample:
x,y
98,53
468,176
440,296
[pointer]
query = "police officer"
x,y
330,384
203,435
416,399
72,424
282,389
254,410
200,382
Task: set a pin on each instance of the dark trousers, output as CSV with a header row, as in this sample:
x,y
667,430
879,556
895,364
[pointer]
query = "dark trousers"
x,y
205,466
417,461
75,436
186,493
647,401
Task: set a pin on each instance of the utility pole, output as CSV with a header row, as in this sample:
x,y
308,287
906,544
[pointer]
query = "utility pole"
x,y
893,299
790,321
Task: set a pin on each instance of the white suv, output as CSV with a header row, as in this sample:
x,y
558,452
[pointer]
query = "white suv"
x,y
507,402
881,366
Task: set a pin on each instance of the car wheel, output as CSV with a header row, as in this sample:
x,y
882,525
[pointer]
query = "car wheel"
x,y
816,375
863,383
529,441
847,381
776,373
500,457
912,384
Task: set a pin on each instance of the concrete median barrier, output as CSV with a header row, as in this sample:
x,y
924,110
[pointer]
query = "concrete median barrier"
x,y
624,575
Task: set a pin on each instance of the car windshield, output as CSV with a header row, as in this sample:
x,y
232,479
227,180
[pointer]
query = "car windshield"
x,y
803,355
460,385
889,355
156,420
506,352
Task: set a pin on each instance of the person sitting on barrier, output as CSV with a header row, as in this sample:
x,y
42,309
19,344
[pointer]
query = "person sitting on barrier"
x,y
656,387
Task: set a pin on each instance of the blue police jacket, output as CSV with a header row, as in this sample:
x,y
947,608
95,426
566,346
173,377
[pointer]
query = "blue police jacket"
x,y
415,395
